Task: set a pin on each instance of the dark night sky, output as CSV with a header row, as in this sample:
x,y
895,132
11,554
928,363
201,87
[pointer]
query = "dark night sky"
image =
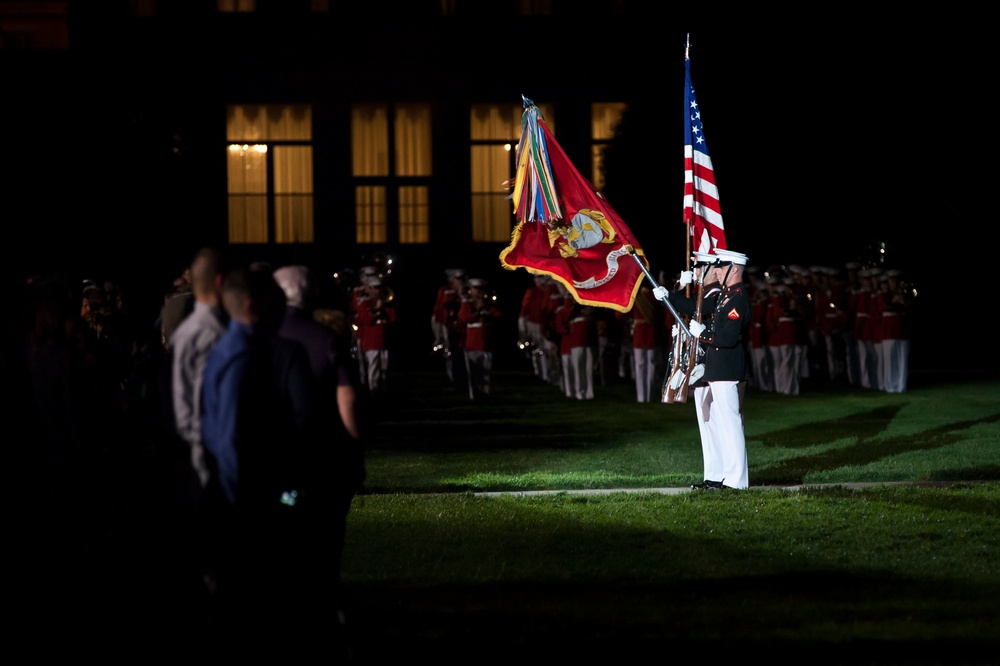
x,y
825,145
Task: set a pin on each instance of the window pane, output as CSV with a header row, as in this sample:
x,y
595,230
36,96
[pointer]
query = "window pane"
x,y
414,215
502,122
252,123
247,218
247,169
293,218
413,140
289,122
236,5
247,175
496,122
492,218
293,169
245,123
370,214
370,140
534,7
491,166
604,118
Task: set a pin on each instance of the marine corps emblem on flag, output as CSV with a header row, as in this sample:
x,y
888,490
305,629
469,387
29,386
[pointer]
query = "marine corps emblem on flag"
x,y
587,229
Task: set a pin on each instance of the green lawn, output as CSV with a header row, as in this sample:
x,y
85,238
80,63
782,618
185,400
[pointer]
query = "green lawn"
x,y
884,574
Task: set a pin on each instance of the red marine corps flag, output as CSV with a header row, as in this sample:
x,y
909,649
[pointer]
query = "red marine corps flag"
x,y
566,228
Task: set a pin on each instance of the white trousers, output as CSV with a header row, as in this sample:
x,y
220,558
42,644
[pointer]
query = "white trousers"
x,y
377,370
867,365
582,361
479,369
720,423
786,364
569,382
763,371
645,374
895,365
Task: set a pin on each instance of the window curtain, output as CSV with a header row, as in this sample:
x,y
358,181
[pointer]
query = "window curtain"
x,y
370,214
412,125
604,119
251,130
414,215
370,140
293,194
247,183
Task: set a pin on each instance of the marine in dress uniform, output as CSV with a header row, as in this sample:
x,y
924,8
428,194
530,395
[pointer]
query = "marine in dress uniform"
x,y
480,317
446,328
727,369
896,301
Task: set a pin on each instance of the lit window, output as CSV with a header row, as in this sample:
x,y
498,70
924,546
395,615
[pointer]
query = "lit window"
x,y
231,6
414,214
369,202
604,119
534,7
270,173
391,166
495,130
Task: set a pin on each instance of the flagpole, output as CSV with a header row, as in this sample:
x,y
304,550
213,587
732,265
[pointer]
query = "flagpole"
x,y
687,219
666,301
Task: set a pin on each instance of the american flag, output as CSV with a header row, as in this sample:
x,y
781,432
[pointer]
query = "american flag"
x,y
702,213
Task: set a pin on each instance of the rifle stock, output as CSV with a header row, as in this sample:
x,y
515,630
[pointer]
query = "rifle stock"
x,y
679,378
677,352
693,350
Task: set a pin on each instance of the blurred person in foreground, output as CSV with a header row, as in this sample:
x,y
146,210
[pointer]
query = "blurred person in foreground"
x,y
718,394
188,349
264,453
341,450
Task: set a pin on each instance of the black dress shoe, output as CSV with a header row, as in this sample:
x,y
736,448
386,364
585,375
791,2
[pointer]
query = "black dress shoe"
x,y
714,485
699,486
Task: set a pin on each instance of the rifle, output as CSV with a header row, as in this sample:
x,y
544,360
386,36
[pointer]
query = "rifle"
x,y
674,361
679,379
692,358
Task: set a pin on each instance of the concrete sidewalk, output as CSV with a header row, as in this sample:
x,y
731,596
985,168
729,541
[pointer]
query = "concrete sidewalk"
x,y
687,489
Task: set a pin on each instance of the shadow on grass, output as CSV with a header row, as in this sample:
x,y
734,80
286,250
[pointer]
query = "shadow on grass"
x,y
865,451
862,425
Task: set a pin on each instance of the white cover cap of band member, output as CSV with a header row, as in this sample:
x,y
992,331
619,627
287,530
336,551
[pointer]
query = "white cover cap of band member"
x,y
729,256
455,273
293,280
476,283
702,258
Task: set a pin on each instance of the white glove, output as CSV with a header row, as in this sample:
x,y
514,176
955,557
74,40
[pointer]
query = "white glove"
x,y
686,277
660,293
674,331
696,328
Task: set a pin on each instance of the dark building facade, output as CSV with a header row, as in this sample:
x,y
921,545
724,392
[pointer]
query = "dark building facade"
x,y
326,133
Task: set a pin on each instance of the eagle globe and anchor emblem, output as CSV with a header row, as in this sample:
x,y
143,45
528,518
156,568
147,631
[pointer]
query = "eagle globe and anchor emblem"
x,y
586,229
